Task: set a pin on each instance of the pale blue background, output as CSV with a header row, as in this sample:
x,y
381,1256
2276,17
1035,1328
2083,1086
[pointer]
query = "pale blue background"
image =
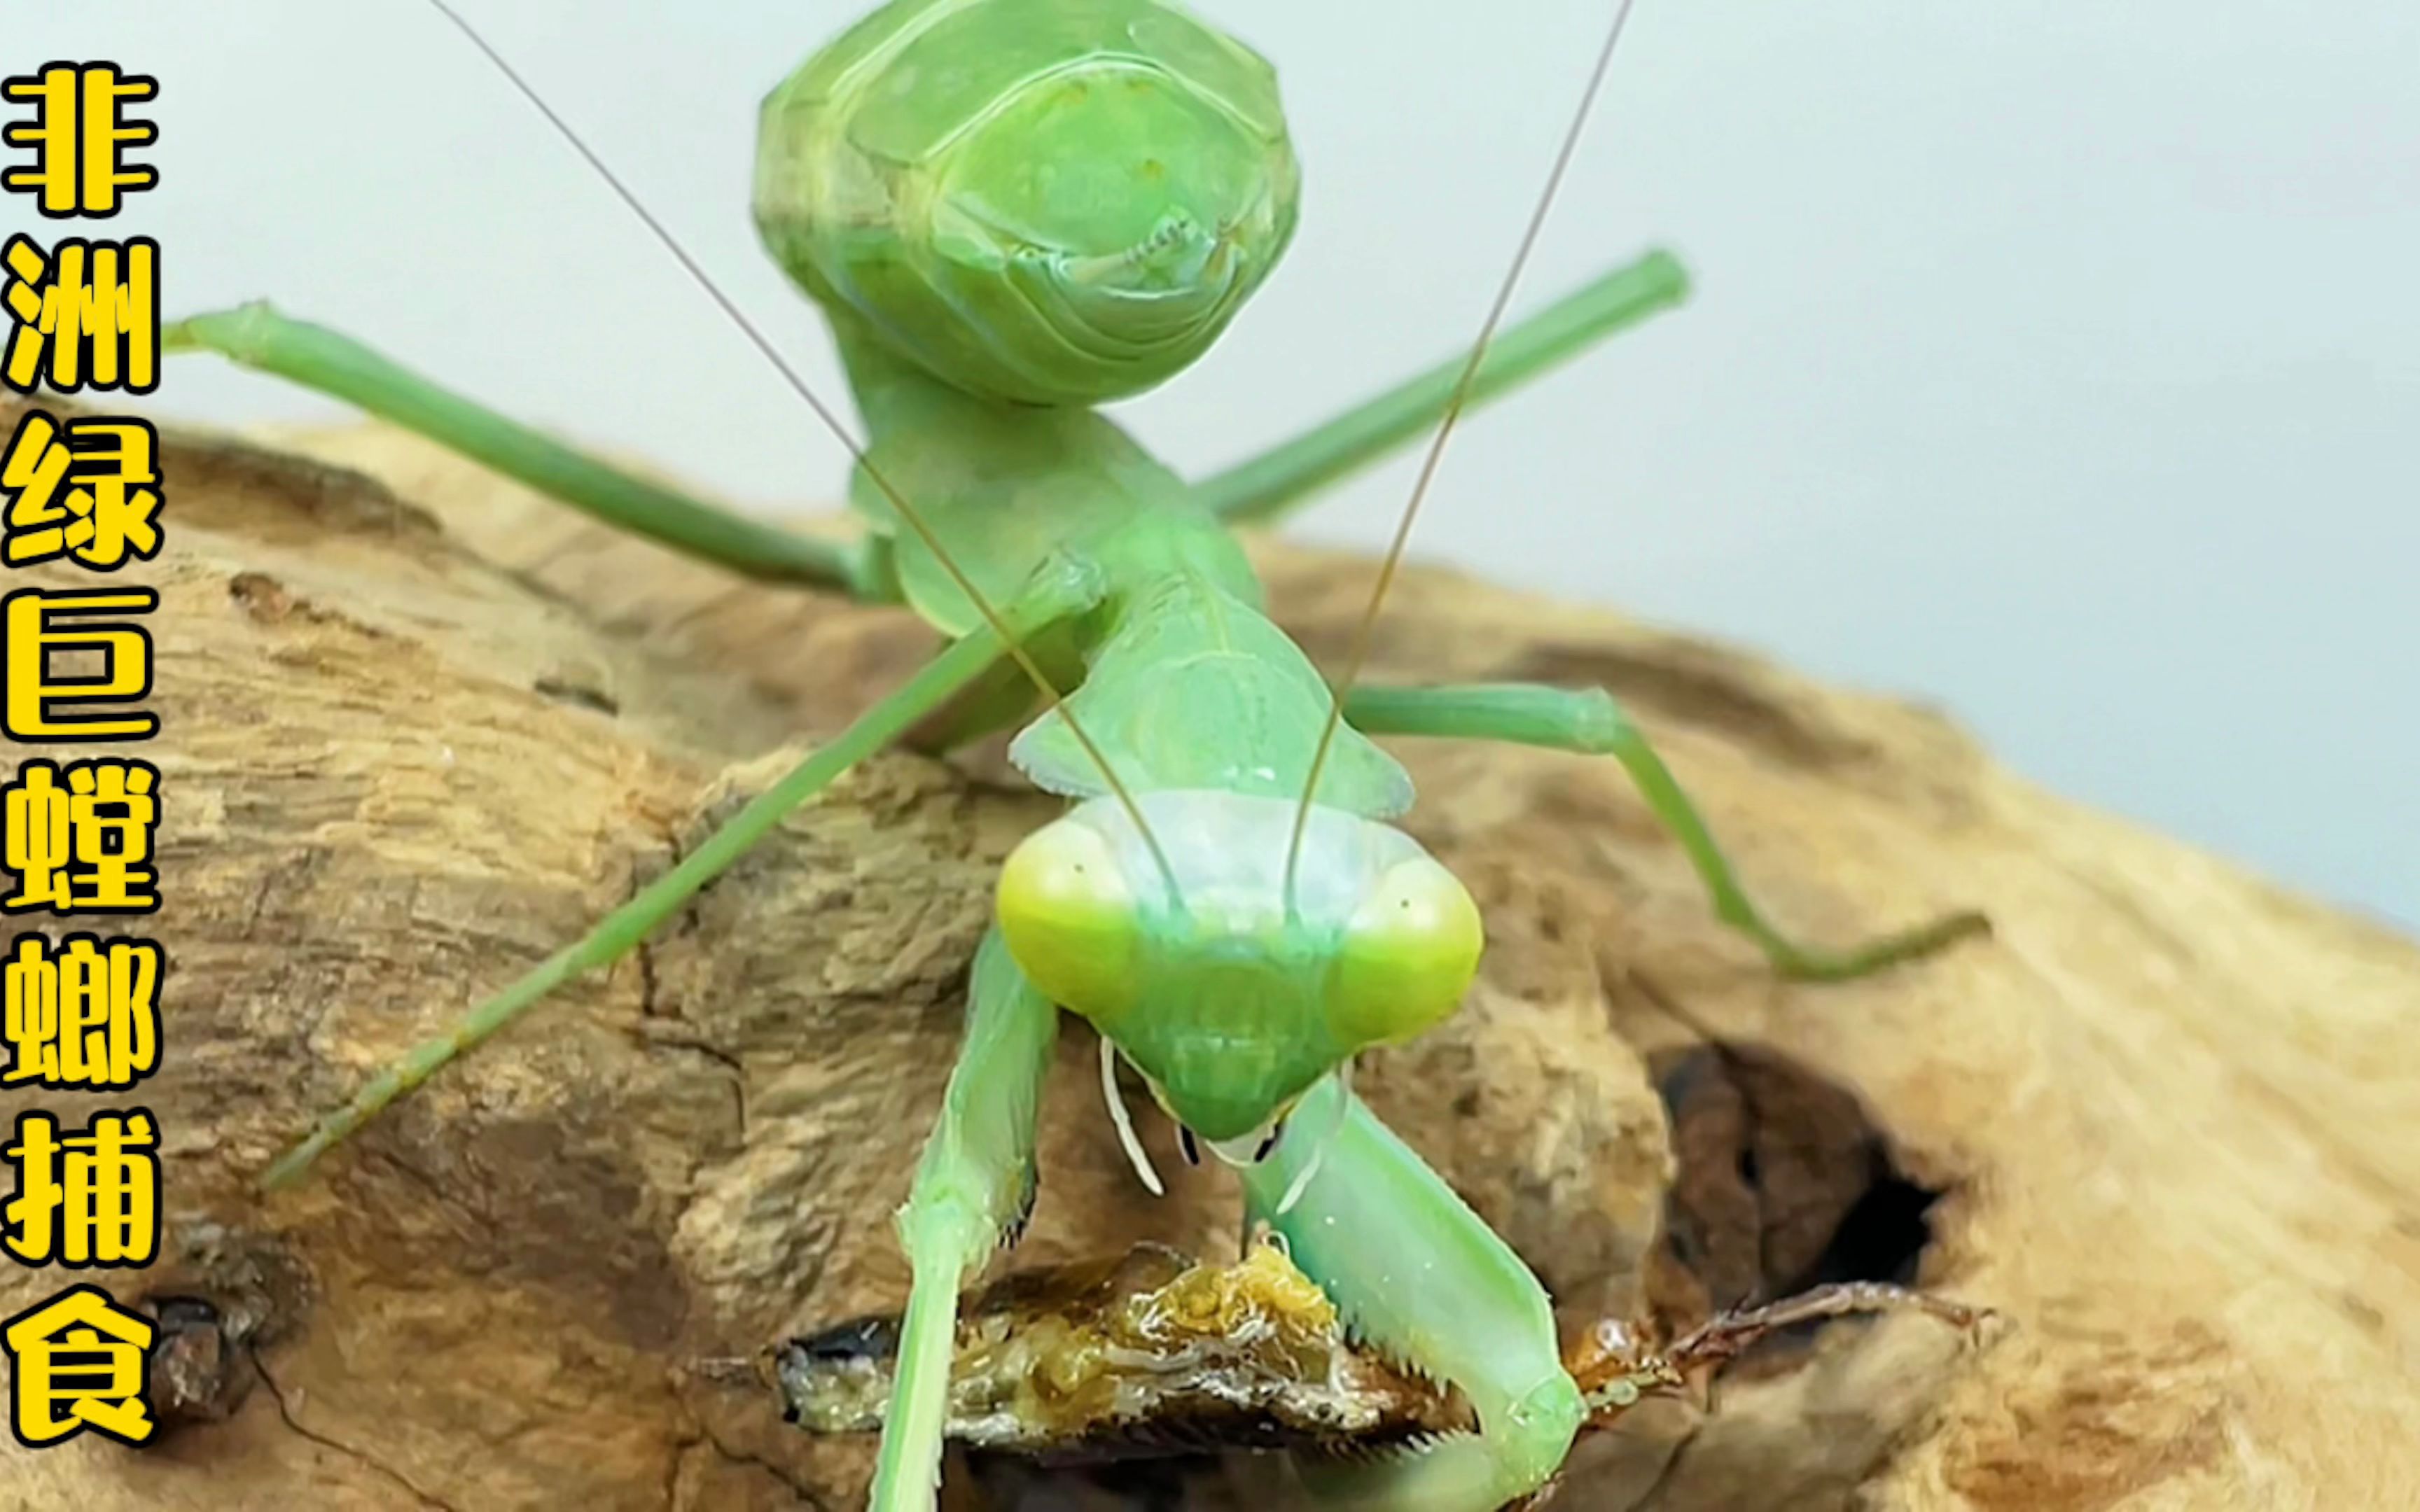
x,y
2058,363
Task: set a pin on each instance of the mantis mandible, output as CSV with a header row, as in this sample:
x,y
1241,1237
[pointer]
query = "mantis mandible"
x,y
1011,211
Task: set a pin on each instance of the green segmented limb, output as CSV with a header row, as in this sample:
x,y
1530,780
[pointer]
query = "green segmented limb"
x,y
1287,474
974,1186
257,336
1066,587
1590,722
1413,1271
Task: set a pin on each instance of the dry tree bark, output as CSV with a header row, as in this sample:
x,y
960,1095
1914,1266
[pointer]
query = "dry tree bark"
x,y
421,729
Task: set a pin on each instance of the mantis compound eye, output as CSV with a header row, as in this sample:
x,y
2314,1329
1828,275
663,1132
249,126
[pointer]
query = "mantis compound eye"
x,y
1068,920
1407,956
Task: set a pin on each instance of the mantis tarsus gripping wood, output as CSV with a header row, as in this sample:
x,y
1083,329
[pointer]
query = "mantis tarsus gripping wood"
x,y
1011,211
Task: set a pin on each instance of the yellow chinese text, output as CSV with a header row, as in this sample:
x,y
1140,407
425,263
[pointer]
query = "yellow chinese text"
x,y
37,624
83,490
81,845
87,315
79,1361
80,134
80,1016
85,1199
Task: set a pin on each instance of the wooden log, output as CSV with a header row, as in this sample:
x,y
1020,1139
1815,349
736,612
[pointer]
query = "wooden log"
x,y
420,729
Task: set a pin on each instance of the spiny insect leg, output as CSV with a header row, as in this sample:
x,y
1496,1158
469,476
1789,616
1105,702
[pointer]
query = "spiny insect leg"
x,y
1419,1276
974,1188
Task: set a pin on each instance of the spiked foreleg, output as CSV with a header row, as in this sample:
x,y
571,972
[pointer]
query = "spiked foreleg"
x,y
1418,1274
974,1188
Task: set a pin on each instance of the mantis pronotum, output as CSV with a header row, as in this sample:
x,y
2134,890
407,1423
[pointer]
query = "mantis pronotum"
x,y
1011,211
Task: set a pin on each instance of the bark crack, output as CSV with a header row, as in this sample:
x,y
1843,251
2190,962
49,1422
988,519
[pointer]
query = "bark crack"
x,y
806,1494
286,1415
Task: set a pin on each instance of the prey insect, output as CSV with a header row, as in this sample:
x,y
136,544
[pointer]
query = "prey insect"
x,y
1011,211
1154,1353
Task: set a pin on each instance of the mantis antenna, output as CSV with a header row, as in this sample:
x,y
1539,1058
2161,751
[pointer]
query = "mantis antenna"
x,y
832,422
1362,633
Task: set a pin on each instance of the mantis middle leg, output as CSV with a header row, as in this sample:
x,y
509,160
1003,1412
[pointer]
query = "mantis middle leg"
x,y
1064,587
1590,721
258,336
1413,1271
1283,477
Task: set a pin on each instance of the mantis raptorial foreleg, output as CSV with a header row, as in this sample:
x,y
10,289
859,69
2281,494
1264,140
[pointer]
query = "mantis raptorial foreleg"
x,y
1590,722
1413,1271
1268,485
1064,587
256,335
974,1187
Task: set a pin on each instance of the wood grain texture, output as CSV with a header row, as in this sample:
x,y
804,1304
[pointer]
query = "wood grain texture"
x,y
420,729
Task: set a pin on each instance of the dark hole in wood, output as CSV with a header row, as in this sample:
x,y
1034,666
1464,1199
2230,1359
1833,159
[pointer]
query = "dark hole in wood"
x,y
1785,1183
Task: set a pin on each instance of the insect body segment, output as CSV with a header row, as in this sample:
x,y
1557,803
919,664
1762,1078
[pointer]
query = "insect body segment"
x,y
1034,200
1194,687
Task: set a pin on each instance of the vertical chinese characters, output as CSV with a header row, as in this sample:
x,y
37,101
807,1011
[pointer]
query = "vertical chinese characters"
x,y
79,493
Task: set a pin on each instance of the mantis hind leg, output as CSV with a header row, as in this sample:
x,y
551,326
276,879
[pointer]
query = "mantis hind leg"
x,y
1064,587
1590,722
256,335
974,1188
1417,1274
1282,478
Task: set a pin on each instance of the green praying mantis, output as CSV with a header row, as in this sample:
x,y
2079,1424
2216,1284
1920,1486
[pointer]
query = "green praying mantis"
x,y
1011,211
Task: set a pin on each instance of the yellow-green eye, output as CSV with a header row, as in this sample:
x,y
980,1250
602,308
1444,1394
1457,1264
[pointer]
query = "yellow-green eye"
x,y
1069,920
1407,957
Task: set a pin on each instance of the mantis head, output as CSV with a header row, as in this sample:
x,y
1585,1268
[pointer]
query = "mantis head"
x,y
1230,997
1034,203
